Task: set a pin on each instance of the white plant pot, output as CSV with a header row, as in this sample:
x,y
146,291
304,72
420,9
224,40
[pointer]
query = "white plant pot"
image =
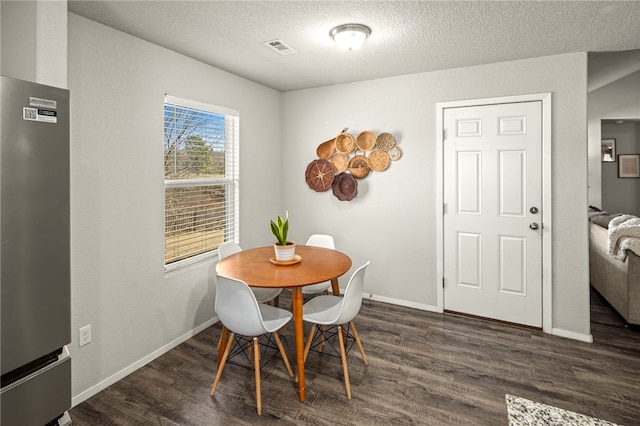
x,y
287,252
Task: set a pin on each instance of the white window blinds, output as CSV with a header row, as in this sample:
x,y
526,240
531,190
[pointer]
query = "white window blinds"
x,y
201,178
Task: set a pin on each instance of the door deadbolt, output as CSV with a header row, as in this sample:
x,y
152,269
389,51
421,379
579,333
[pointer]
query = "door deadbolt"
x,y
533,210
533,226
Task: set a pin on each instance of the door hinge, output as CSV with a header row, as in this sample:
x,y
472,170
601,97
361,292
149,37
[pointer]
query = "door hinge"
x,y
444,208
444,134
442,282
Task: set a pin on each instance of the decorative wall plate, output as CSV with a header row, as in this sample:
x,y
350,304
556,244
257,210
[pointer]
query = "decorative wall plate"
x,y
385,141
395,153
344,187
326,149
366,140
339,162
345,143
359,166
378,160
319,175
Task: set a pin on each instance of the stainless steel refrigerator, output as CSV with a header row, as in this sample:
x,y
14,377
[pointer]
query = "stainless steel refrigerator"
x,y
34,252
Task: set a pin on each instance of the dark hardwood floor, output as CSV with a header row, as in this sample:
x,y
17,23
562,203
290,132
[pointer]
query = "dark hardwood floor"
x,y
424,369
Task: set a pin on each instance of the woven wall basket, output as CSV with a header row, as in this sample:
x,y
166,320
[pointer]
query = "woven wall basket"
x,y
395,153
378,160
345,143
340,162
319,175
366,141
326,149
344,187
359,167
385,141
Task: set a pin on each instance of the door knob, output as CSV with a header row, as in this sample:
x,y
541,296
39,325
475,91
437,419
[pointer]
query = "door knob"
x,y
533,226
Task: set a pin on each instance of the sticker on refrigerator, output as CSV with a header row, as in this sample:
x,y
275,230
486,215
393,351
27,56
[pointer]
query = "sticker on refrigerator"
x,y
40,114
43,103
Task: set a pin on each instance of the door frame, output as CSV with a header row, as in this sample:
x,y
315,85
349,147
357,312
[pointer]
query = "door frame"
x,y
547,225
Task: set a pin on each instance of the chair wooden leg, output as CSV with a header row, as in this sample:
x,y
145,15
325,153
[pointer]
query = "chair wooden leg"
x,y
309,340
283,354
358,342
343,331
222,363
249,350
222,343
323,328
343,355
256,357
223,338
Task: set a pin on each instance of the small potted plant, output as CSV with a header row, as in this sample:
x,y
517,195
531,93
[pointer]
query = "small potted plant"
x,y
284,249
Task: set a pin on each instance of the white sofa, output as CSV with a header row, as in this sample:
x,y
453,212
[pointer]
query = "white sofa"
x,y
618,282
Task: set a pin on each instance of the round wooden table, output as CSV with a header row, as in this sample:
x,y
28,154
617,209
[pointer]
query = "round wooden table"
x,y
317,265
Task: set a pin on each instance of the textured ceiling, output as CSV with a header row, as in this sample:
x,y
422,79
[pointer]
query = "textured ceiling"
x,y
407,36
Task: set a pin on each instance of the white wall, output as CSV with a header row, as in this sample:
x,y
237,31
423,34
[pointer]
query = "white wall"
x,y
392,221
34,41
621,195
119,286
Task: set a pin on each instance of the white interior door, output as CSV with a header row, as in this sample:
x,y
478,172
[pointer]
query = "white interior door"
x,y
493,214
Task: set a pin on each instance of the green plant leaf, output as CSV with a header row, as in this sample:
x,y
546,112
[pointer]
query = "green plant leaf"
x,y
285,231
280,228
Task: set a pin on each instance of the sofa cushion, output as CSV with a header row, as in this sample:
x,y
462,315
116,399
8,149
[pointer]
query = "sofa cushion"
x,y
604,218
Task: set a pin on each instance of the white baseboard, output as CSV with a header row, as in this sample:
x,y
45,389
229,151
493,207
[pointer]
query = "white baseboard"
x,y
83,396
588,338
399,302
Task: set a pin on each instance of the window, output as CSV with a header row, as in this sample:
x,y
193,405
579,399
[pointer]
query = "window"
x,y
200,179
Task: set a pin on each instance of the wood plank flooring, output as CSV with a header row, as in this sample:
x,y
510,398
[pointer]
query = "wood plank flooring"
x,y
424,369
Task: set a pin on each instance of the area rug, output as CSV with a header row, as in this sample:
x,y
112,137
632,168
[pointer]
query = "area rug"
x,y
522,412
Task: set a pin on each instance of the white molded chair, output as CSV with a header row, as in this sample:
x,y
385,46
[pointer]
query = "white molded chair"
x,y
329,310
325,241
262,294
239,311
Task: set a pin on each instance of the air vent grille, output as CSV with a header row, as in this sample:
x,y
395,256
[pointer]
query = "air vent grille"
x,y
281,47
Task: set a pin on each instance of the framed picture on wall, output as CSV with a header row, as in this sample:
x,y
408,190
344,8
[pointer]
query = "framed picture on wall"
x,y
629,166
608,150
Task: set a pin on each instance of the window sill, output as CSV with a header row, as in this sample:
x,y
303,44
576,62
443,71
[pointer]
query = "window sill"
x,y
191,263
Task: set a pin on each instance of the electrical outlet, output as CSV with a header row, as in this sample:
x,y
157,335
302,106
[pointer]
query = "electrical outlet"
x,y
84,335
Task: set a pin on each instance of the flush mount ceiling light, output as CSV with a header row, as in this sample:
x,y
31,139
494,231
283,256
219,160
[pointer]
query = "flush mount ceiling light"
x,y
350,36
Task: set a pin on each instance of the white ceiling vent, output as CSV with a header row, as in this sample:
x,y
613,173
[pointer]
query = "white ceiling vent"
x,y
281,47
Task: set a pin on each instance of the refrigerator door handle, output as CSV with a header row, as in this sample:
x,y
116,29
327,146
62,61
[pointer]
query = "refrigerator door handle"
x,y
61,358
